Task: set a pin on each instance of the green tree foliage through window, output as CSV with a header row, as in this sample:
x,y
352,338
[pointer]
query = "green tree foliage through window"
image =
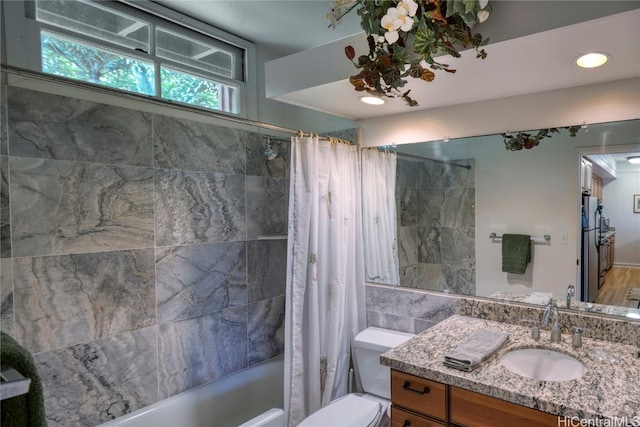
x,y
189,89
82,62
78,61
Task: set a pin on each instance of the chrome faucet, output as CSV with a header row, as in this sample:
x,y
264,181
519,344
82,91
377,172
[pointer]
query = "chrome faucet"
x,y
552,307
571,292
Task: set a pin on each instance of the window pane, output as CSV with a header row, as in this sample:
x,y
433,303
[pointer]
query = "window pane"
x,y
66,57
195,90
95,20
218,58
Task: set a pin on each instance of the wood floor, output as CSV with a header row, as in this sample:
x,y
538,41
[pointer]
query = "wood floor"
x,y
617,283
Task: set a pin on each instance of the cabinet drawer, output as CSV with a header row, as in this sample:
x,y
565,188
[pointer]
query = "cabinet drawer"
x,y
419,395
471,409
402,418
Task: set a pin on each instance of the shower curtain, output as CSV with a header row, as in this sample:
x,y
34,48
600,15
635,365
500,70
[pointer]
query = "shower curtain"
x,y
379,216
325,273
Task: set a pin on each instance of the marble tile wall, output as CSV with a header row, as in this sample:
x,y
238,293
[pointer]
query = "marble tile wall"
x,y
435,206
407,310
134,264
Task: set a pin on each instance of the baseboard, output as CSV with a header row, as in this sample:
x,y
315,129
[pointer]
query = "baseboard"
x,y
623,265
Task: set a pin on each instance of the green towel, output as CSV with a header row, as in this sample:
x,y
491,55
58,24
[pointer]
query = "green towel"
x,y
26,410
516,253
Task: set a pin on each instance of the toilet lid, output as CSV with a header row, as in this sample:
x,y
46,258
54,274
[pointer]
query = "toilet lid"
x,y
349,411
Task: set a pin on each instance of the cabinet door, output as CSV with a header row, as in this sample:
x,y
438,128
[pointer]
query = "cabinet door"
x,y
419,395
587,173
402,418
612,245
471,409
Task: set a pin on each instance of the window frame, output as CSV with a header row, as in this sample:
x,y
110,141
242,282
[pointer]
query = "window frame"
x,y
22,47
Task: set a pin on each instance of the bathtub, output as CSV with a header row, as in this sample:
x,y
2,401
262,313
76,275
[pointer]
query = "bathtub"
x,y
249,398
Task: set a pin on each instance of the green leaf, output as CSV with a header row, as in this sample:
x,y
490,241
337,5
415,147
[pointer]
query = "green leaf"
x,y
470,5
423,42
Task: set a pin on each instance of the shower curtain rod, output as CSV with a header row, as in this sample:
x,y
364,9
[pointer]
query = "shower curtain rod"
x,y
81,85
413,156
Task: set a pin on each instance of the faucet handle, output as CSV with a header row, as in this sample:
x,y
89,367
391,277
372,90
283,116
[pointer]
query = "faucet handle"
x,y
577,336
535,330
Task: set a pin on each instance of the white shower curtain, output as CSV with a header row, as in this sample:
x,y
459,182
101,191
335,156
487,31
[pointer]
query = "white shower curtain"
x,y
325,273
379,216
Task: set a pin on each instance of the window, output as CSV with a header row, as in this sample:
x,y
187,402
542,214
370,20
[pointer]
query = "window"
x,y
113,45
66,57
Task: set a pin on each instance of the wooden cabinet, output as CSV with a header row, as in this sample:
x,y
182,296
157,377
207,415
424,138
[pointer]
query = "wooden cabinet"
x,y
471,409
419,395
402,418
420,402
586,177
610,248
596,187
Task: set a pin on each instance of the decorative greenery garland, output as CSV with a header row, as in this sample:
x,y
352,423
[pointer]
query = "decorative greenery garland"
x,y
527,140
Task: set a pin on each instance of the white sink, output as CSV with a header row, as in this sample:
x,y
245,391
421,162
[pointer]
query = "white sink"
x,y
542,364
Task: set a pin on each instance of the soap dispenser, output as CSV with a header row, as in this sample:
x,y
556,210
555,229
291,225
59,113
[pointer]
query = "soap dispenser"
x,y
535,330
577,336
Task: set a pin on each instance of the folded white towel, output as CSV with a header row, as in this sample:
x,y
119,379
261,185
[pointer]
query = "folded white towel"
x,y
477,348
540,298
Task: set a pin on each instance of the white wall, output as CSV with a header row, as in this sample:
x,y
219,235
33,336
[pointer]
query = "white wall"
x,y
513,196
618,204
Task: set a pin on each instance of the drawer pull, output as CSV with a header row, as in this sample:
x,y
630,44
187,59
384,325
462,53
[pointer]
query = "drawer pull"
x,y
407,423
407,386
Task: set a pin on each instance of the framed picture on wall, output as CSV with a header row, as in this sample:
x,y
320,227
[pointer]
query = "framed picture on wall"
x,y
636,203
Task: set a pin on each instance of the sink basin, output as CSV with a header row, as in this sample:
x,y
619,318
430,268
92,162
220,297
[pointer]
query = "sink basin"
x,y
542,364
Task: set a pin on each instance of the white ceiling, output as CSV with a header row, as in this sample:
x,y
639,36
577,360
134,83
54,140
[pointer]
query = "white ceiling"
x,y
533,45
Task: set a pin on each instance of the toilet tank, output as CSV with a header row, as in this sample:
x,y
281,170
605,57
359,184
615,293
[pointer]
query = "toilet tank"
x,y
369,345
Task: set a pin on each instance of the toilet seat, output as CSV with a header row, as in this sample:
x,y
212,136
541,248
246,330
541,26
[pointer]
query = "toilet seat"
x,y
348,411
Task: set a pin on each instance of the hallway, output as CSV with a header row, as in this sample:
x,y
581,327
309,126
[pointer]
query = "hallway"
x,y
618,282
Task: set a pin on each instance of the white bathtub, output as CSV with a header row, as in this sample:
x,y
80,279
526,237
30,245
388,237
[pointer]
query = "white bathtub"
x,y
254,394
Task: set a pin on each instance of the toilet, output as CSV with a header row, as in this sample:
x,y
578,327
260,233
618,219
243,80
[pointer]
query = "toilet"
x,y
363,410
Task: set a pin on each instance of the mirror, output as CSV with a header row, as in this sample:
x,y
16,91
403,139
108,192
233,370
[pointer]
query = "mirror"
x,y
446,212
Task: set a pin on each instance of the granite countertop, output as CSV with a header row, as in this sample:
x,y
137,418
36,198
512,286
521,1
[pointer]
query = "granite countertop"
x,y
609,233
606,390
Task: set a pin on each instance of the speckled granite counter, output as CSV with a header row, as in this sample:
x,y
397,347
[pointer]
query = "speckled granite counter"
x,y
607,390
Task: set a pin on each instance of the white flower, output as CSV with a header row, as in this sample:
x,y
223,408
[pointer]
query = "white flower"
x,y
483,3
391,36
483,15
381,39
409,7
391,23
406,22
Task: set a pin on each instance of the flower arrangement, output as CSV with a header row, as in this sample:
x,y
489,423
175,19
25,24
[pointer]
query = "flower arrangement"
x,y
404,38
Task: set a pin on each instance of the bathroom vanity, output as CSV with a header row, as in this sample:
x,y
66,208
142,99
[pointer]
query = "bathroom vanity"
x,y
426,393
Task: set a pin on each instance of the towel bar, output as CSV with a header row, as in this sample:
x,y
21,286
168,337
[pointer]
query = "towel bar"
x,y
12,383
544,239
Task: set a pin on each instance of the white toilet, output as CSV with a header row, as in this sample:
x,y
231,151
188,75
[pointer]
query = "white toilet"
x,y
363,410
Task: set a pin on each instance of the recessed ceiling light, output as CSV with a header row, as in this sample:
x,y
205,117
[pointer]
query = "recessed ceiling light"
x,y
372,100
592,60
634,159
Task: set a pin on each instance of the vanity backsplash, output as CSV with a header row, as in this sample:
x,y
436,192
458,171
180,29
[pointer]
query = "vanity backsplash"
x,y
595,326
